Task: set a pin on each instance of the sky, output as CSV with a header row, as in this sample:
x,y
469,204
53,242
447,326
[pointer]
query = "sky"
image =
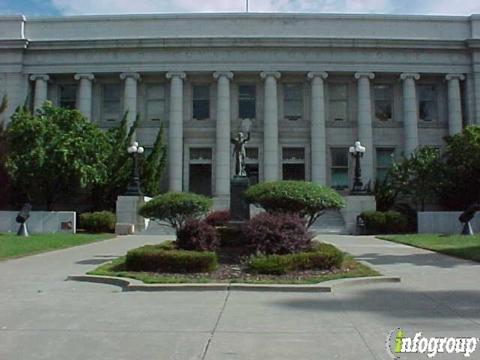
x,y
81,7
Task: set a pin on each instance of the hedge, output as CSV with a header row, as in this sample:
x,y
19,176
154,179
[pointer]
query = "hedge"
x,y
98,222
388,222
153,258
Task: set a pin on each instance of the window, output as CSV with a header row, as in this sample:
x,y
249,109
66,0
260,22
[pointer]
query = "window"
x,y
251,165
383,95
200,171
385,158
293,101
293,166
111,102
155,102
246,102
68,96
201,102
427,102
338,102
339,168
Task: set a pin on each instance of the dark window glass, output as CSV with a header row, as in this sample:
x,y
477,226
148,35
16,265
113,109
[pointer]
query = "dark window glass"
x,y
111,102
339,168
246,102
252,173
155,102
338,102
427,102
293,171
293,101
68,96
385,158
201,102
383,102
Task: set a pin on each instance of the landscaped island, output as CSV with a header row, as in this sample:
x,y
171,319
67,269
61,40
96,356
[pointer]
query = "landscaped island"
x,y
274,246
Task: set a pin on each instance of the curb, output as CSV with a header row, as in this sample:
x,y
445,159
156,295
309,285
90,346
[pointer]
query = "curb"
x,y
327,286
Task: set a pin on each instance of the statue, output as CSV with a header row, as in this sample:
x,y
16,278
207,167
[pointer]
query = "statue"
x,y
239,153
22,218
466,217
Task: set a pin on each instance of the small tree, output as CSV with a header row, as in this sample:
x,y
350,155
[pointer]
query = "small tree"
x,y
176,208
154,165
307,199
418,177
461,178
53,153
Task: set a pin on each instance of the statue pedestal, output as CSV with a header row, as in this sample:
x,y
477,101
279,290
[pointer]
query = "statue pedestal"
x,y
239,207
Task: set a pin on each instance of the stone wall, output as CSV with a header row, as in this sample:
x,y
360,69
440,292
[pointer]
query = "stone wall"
x,y
40,221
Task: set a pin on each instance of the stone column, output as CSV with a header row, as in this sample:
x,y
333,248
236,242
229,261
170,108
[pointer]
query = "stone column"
x,y
410,113
365,131
130,96
317,128
175,131
470,99
270,126
454,103
222,155
41,89
85,94
476,85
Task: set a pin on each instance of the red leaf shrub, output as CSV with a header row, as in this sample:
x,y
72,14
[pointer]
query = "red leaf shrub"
x,y
277,234
197,235
218,218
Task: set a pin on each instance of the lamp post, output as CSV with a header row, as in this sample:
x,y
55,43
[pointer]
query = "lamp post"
x,y
357,151
133,188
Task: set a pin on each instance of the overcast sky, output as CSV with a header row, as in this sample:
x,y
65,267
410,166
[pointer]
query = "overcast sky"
x,y
79,7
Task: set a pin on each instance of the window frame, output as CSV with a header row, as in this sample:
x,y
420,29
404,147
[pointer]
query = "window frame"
x,y
389,100
148,99
378,167
434,100
252,99
102,103
346,167
59,94
333,100
299,101
207,99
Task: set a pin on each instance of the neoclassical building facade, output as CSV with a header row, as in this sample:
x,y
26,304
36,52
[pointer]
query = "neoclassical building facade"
x,y
305,86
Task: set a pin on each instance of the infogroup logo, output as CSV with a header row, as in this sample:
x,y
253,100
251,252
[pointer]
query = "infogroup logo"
x,y
398,343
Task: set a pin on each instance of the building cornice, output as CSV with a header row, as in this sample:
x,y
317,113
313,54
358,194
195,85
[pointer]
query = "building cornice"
x,y
196,42
13,44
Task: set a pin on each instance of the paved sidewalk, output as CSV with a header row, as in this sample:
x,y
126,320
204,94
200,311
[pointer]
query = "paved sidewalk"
x,y
44,317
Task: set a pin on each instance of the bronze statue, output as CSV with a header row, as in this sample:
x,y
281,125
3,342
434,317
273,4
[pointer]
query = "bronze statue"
x,y
239,153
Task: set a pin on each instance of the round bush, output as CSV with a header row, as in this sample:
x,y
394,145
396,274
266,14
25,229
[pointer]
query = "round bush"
x,y
176,208
276,234
307,199
322,257
154,258
218,218
98,222
197,235
389,222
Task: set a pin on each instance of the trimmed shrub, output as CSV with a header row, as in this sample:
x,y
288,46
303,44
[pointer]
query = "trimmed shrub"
x,y
389,222
218,218
276,234
153,258
98,222
324,257
304,198
231,237
197,235
176,208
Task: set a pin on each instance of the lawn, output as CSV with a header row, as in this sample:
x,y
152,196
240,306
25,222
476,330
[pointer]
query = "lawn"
x,y
350,269
465,247
12,245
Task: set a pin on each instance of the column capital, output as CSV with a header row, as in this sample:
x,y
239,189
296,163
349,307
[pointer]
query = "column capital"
x,y
90,77
449,77
133,75
35,77
414,76
265,74
317,74
219,74
172,74
368,75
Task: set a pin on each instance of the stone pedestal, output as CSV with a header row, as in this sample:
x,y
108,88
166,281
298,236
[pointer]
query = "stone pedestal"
x,y
354,206
128,220
239,208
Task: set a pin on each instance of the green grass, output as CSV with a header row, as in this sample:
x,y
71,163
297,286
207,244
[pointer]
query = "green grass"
x,y
12,245
350,269
465,247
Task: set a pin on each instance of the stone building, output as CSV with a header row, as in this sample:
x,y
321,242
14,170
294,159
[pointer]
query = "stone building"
x,y
306,85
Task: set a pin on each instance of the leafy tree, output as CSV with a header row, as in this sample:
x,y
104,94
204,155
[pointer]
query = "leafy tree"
x,y
461,185
54,152
120,165
418,177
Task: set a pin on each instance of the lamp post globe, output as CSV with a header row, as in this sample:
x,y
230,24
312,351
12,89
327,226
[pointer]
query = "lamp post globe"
x,y
357,151
133,188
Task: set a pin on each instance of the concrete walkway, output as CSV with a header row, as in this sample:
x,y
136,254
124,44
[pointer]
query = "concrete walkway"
x,y
44,317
